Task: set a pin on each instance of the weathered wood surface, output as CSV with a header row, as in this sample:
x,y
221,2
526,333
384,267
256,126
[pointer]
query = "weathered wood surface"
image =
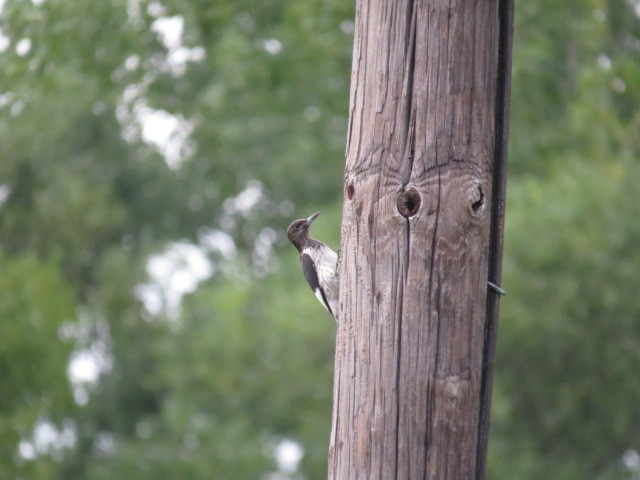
x,y
422,224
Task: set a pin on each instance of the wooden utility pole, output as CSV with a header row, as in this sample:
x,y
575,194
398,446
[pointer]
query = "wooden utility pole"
x,y
421,237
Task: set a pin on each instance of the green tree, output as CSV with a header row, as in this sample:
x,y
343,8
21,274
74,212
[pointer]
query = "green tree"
x,y
570,344
35,304
85,186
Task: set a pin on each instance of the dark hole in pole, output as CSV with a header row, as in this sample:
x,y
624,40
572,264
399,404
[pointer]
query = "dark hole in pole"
x,y
408,203
350,191
477,204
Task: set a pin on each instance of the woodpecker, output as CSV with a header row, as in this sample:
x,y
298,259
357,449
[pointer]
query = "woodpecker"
x,y
319,263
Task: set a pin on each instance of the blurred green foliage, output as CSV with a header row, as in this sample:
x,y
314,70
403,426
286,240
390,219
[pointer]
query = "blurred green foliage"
x,y
256,98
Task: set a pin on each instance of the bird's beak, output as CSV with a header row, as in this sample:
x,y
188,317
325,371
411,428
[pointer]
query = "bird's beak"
x,y
312,218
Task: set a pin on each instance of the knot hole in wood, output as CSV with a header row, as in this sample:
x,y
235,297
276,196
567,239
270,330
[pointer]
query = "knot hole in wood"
x,y
477,199
408,202
350,191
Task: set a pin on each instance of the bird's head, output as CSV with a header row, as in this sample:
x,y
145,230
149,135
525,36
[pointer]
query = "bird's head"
x,y
298,231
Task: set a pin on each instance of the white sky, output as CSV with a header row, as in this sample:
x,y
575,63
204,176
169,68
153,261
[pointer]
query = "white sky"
x,y
288,454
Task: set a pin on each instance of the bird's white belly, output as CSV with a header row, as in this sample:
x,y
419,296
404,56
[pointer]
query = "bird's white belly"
x,y
326,261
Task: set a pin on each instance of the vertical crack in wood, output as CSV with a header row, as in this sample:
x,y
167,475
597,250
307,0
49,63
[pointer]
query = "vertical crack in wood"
x,y
505,36
409,120
336,425
404,275
380,376
408,152
398,365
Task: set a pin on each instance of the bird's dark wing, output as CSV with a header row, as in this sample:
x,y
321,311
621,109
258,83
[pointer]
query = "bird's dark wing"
x,y
310,273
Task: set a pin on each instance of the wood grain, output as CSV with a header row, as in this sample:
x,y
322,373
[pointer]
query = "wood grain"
x,y
423,185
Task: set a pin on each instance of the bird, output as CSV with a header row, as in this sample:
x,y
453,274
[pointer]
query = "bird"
x,y
319,264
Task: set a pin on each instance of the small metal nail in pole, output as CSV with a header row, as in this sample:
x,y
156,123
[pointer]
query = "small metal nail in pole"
x,y
497,289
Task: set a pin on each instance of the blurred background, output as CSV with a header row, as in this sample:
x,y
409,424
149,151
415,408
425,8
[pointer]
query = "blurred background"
x,y
154,323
